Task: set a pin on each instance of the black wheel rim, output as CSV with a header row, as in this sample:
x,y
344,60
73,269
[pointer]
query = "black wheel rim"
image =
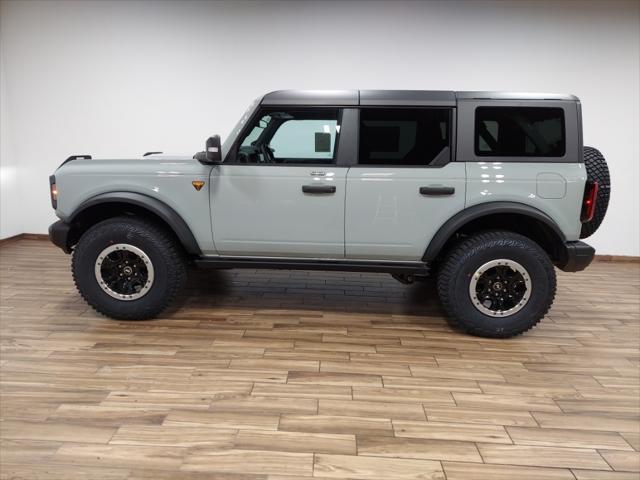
x,y
124,272
500,288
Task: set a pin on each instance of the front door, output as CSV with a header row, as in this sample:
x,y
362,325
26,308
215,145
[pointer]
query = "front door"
x,y
282,195
405,185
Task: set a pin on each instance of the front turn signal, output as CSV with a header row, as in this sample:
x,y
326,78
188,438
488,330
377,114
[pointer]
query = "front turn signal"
x,y
197,184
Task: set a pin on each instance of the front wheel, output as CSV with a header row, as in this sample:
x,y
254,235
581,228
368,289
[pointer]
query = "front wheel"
x,y
497,284
128,268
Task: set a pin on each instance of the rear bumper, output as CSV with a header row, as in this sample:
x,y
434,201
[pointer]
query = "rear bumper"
x,y
59,235
576,256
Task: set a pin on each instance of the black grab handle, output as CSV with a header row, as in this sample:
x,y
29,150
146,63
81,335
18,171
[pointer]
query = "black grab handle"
x,y
437,191
319,189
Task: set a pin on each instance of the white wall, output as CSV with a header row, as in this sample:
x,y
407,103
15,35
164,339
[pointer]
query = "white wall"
x,y
121,78
10,223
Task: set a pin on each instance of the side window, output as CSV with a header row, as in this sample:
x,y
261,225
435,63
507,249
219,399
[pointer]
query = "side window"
x,y
519,132
305,139
404,136
256,131
291,137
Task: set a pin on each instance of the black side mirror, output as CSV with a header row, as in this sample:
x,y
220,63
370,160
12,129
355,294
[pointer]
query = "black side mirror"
x,y
212,154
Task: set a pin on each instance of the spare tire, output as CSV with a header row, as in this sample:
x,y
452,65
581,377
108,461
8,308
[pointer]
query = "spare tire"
x,y
597,171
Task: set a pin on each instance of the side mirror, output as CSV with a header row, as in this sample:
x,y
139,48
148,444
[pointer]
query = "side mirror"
x,y
212,154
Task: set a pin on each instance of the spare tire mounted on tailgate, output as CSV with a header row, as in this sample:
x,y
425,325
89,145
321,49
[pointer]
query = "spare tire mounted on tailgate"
x,y
597,172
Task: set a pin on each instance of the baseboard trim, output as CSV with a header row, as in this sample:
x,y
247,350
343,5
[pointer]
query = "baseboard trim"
x,y
598,258
617,258
24,236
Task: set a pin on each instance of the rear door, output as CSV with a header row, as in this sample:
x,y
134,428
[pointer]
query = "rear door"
x,y
404,185
283,194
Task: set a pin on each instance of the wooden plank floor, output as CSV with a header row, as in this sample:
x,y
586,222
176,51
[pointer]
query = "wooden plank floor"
x,y
284,375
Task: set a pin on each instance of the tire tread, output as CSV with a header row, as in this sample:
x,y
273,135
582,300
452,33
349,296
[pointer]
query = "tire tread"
x,y
470,247
172,253
597,171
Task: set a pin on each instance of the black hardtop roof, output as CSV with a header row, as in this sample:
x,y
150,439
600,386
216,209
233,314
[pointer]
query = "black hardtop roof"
x,y
397,97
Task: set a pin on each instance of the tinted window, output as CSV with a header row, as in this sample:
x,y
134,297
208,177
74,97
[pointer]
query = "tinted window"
x,y
292,137
404,136
519,132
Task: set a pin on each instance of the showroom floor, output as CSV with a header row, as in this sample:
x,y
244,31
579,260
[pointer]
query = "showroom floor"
x,y
281,375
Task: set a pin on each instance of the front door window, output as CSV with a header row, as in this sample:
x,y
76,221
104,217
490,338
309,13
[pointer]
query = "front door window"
x,y
291,137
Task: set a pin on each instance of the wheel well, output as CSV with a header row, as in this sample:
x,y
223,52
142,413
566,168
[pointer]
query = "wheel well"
x,y
530,227
94,214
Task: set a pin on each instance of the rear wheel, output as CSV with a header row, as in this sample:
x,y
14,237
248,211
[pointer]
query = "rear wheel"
x,y
128,268
497,284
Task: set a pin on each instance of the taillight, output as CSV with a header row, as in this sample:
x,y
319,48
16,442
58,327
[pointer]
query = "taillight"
x,y
53,189
589,202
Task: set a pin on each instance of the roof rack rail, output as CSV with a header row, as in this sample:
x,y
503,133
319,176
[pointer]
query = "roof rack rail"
x,y
151,153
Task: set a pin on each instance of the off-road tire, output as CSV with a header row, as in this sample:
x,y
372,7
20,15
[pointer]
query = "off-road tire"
x,y
455,274
162,248
597,171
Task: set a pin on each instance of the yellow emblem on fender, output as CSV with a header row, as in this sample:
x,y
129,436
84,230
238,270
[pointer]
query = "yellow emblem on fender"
x,y
197,184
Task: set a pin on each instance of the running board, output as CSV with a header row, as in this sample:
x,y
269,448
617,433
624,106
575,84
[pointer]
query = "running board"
x,y
418,268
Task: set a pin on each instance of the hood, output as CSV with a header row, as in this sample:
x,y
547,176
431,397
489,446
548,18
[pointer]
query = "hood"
x,y
165,156
156,164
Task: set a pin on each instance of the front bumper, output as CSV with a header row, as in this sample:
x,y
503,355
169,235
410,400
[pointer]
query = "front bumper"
x,y
576,256
59,235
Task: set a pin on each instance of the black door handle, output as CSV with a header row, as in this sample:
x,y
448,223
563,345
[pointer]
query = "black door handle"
x,y
436,191
319,189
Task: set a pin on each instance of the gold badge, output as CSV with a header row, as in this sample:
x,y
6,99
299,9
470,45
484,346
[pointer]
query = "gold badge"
x,y
197,184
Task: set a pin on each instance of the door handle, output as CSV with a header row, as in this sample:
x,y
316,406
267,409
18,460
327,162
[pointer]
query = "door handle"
x,y
319,189
437,191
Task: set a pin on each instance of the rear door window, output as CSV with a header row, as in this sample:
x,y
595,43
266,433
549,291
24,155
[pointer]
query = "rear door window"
x,y
404,136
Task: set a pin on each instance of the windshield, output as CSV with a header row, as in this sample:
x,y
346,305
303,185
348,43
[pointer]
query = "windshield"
x,y
246,116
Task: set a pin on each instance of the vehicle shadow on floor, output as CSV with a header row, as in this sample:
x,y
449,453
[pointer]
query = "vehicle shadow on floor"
x,y
307,290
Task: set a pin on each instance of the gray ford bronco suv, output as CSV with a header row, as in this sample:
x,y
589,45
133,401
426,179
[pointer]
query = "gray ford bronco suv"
x,y
486,191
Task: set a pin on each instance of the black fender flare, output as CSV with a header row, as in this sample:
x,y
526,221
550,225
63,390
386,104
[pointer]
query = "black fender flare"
x,y
475,212
159,208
